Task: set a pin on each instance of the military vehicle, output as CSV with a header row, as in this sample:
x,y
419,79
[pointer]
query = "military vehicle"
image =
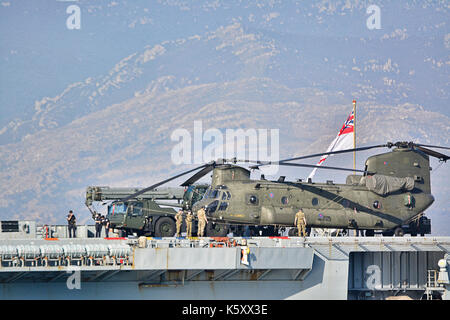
x,y
146,214
392,191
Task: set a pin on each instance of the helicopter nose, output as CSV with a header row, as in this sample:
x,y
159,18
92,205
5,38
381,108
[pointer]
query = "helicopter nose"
x,y
197,206
202,204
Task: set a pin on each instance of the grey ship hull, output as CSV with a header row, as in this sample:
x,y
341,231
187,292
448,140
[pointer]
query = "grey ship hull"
x,y
212,268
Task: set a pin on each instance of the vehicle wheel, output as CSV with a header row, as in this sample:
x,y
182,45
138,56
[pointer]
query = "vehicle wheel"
x,y
399,232
165,227
216,229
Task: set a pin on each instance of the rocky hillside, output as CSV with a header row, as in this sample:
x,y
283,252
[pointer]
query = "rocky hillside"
x,y
265,65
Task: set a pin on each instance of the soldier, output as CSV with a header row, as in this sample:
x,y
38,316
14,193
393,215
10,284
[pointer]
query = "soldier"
x,y
179,222
71,220
202,221
189,217
300,221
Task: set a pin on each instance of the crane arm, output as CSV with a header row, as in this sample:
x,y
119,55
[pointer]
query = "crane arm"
x,y
109,193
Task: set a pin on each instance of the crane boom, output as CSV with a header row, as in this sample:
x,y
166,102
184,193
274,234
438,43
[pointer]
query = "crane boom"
x,y
109,193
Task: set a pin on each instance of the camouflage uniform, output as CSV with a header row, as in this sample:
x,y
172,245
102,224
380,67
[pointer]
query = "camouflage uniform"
x,y
179,222
300,221
202,221
189,217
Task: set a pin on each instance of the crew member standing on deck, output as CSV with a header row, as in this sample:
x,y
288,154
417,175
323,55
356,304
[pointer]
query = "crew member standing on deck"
x,y
98,225
106,223
202,221
71,221
189,217
179,222
300,221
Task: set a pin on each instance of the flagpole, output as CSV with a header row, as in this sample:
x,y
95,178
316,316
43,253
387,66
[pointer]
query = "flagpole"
x,y
354,135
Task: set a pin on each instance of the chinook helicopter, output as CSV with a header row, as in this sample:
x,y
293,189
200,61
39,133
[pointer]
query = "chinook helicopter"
x,y
392,190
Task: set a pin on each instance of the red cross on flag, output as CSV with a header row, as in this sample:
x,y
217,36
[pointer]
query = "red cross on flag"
x,y
344,140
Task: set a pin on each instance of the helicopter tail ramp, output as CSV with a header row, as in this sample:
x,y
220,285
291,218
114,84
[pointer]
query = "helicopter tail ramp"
x,y
266,268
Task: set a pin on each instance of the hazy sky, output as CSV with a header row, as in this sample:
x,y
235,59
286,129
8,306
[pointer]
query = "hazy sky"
x,y
40,55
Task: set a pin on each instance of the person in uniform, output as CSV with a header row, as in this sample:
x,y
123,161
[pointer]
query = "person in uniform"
x,y
106,223
71,221
300,221
98,225
189,217
179,222
202,221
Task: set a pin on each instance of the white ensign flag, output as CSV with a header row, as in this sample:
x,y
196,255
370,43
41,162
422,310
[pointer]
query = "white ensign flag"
x,y
344,140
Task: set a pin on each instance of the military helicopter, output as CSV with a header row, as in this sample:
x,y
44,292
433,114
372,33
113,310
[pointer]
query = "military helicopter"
x,y
392,190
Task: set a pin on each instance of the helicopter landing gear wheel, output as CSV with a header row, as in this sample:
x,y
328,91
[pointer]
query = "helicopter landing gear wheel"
x,y
165,227
399,232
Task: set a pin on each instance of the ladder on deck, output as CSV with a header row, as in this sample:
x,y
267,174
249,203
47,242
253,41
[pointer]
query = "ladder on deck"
x,y
432,284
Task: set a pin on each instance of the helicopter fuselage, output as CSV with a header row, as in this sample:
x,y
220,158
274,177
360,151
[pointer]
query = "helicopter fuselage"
x,y
327,205
403,193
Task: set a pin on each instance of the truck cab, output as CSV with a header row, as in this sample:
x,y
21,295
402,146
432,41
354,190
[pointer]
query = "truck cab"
x,y
142,217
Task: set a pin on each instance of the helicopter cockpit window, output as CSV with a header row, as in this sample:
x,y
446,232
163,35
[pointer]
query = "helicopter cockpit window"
x,y
196,195
211,208
214,194
207,192
315,201
284,200
228,195
223,206
224,195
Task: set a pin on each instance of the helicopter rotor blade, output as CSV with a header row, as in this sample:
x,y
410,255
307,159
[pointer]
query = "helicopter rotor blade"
x,y
322,167
264,163
419,146
161,183
211,166
336,152
207,169
433,153
388,145
430,146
